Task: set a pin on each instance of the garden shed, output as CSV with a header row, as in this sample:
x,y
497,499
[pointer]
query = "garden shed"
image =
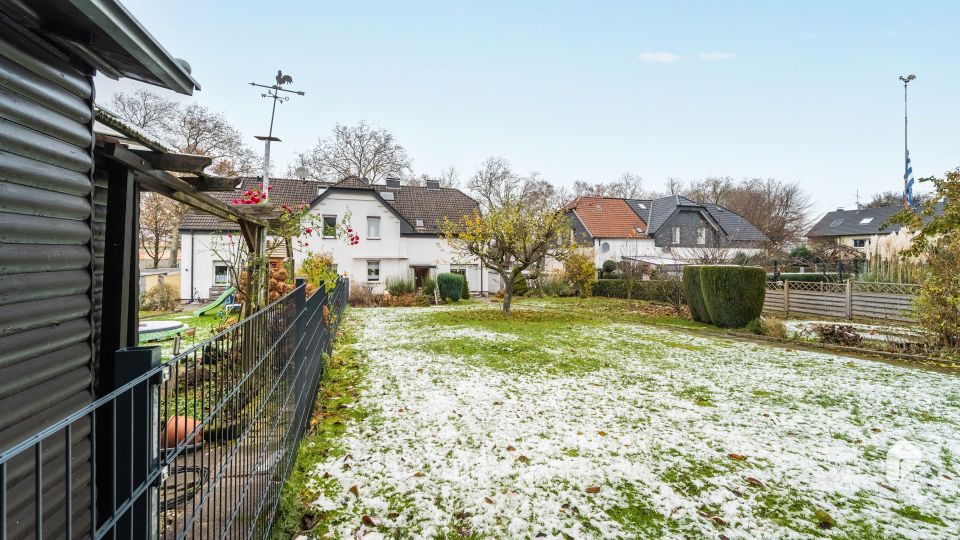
x,y
68,237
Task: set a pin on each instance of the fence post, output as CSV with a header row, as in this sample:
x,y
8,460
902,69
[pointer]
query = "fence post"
x,y
849,296
137,448
786,297
300,303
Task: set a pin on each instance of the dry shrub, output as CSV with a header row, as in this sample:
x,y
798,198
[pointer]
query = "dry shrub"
x,y
838,334
361,295
161,297
774,327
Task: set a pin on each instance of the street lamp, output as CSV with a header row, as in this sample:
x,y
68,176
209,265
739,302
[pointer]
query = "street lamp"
x,y
906,153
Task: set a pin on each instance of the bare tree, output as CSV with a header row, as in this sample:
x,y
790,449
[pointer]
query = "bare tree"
x,y
894,198
712,189
629,186
191,129
158,225
493,182
361,150
146,110
449,177
673,186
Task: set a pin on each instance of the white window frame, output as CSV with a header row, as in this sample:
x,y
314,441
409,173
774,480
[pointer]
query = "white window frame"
x,y
323,226
379,232
227,273
377,278
701,236
676,235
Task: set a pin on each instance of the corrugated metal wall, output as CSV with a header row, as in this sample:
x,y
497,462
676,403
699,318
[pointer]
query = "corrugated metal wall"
x,y
45,270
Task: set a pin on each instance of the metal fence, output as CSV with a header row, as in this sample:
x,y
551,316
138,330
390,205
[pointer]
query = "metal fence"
x,y
198,446
849,299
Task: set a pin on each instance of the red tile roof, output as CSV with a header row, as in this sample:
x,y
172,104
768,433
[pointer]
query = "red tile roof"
x,y
608,218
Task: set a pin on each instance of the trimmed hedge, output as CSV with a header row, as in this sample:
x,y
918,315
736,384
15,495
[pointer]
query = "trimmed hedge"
x,y
450,286
520,287
653,290
694,294
465,290
733,294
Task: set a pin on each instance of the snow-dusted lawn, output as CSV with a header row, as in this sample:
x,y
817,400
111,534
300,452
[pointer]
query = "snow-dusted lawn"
x,y
571,421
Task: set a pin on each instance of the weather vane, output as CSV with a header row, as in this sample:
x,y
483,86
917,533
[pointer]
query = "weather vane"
x,y
273,92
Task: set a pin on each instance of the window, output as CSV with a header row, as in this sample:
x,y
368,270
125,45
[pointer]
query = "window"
x,y
860,242
866,220
373,271
605,247
221,274
836,222
459,271
419,223
701,235
676,235
329,226
373,228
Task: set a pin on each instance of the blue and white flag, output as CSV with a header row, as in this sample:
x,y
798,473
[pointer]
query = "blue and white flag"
x,y
908,193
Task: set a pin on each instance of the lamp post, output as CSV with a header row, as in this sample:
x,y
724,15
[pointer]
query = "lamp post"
x,y
906,153
273,92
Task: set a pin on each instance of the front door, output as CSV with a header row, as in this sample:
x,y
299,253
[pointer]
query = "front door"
x,y
420,273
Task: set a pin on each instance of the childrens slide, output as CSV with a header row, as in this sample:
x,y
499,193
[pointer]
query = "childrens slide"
x,y
216,303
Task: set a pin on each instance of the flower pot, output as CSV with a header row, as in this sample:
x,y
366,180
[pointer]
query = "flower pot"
x,y
177,430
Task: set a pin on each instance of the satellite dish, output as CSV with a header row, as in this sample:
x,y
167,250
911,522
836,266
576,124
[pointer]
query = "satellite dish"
x,y
301,172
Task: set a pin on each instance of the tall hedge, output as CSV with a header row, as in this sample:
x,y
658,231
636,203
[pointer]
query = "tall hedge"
x,y
733,294
450,286
465,289
694,294
654,290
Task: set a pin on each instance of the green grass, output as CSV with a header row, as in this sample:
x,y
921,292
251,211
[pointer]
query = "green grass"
x,y
552,336
336,407
914,513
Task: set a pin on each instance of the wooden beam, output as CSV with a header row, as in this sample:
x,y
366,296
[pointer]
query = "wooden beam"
x,y
214,183
176,188
168,161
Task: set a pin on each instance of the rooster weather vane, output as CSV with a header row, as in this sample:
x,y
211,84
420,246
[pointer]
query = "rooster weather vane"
x,y
273,92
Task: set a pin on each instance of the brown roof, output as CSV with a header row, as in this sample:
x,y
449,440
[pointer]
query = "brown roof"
x,y
608,218
411,203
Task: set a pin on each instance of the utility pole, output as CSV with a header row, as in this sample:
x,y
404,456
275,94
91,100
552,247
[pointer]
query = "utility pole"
x,y
906,153
273,92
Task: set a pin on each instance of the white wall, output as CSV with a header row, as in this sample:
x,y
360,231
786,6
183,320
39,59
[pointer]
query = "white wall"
x,y
622,247
397,254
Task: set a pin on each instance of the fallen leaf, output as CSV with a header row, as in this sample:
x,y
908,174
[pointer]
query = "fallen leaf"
x,y
593,489
737,457
393,515
824,519
875,429
418,474
369,521
717,520
754,482
463,514
523,459
510,448
488,500
579,433
355,490
602,433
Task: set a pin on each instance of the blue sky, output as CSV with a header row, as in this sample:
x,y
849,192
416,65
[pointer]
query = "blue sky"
x,y
803,91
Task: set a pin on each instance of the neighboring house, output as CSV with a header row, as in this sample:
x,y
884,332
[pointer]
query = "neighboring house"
x,y
150,278
669,231
856,228
398,228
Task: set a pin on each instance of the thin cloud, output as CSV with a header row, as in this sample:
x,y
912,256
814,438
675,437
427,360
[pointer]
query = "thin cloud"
x,y
716,56
659,57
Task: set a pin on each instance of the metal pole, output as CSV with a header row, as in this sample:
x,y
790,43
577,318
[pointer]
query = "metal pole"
x,y
266,151
906,152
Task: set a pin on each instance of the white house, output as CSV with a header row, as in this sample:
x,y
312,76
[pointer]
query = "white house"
x,y
664,232
397,226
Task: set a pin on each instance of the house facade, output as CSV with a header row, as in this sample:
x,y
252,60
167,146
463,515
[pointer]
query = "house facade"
x,y
398,228
859,228
668,231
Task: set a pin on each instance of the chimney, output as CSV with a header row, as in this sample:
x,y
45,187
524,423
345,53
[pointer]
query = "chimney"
x,y
433,184
393,182
839,209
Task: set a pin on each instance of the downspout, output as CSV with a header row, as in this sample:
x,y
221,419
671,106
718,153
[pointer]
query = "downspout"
x,y
193,242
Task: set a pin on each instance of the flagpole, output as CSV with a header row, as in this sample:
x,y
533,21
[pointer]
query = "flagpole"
x,y
906,153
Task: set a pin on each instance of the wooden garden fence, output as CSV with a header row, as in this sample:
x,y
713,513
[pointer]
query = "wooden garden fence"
x,y
849,299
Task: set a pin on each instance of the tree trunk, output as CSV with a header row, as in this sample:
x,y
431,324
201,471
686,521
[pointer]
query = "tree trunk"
x,y
290,262
507,292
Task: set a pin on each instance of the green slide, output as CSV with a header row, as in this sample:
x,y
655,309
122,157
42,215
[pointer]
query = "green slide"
x,y
216,303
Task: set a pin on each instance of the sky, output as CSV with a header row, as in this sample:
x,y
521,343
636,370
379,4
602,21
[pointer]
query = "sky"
x,y
799,91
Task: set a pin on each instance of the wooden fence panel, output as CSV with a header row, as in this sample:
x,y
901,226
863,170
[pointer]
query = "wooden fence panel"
x,y
890,301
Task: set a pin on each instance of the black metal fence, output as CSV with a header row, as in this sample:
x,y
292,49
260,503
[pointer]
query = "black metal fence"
x,y
198,446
